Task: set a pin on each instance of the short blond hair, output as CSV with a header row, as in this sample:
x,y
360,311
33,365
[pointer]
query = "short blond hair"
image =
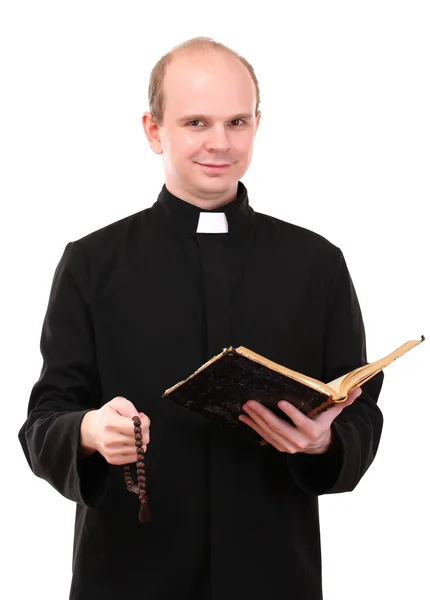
x,y
195,45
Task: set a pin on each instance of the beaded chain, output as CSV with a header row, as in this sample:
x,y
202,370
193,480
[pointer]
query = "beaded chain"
x,y
138,488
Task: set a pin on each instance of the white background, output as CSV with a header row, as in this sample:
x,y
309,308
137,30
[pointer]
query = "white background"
x,y
343,149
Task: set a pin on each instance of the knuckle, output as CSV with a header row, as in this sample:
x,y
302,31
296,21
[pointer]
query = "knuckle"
x,y
314,434
145,422
107,452
108,441
110,458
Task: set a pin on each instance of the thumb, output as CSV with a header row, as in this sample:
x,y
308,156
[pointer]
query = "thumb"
x,y
123,407
353,396
326,418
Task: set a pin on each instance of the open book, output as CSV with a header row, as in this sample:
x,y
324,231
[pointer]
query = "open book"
x,y
221,386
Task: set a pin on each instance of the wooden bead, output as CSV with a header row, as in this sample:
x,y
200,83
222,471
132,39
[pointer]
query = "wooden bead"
x,y
139,487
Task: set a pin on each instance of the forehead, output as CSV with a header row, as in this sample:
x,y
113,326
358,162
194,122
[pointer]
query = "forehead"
x,y
212,83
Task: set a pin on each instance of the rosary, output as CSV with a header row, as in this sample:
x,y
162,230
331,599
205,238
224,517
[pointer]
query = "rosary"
x,y
138,488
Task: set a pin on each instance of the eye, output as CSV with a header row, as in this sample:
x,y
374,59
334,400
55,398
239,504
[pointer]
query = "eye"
x,y
238,121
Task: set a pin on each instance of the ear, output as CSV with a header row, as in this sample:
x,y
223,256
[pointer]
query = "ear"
x,y
152,132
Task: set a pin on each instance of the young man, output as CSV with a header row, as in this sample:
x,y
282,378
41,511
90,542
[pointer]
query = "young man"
x,y
138,306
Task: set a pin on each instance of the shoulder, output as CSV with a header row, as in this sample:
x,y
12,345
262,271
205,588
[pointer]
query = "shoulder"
x,y
112,234
295,237
97,253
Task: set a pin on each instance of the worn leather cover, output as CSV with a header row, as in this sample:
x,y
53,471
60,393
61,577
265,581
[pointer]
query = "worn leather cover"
x,y
219,391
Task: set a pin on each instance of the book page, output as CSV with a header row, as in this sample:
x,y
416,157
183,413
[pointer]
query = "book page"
x,y
296,376
362,374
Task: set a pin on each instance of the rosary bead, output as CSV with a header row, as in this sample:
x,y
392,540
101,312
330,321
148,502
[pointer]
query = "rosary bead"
x,y
139,487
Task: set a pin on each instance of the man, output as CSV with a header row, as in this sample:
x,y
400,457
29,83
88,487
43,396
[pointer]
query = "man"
x,y
138,306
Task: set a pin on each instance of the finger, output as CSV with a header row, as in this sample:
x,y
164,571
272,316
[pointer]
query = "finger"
x,y
280,432
144,422
326,418
123,407
125,425
354,395
120,447
272,423
122,457
277,442
304,424
114,438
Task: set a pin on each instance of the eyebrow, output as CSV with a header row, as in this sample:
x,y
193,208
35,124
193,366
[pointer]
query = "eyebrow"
x,y
196,117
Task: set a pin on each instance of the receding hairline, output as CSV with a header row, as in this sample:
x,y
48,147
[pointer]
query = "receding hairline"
x,y
200,45
202,50
195,46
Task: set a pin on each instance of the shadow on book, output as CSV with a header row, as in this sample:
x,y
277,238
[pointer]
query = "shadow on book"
x,y
221,386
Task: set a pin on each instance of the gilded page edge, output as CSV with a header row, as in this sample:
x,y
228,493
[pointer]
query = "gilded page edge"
x,y
366,372
206,364
312,383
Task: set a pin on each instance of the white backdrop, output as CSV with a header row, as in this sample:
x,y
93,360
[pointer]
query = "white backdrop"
x,y
344,135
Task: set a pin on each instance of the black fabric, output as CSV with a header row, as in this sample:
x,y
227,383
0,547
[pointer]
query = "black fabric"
x,y
130,314
216,292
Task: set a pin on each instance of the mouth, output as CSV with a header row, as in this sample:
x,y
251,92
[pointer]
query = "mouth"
x,y
213,167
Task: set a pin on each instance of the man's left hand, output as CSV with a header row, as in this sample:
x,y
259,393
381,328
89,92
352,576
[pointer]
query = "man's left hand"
x,y
310,436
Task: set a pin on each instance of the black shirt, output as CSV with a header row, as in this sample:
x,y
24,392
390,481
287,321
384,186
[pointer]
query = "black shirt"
x,y
136,307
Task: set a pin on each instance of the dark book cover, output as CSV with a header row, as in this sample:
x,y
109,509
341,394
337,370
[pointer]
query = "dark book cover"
x,y
220,389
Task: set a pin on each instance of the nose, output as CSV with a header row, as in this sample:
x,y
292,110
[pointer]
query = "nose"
x,y
217,139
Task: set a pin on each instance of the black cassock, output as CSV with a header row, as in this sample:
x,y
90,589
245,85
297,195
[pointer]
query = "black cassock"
x,y
136,307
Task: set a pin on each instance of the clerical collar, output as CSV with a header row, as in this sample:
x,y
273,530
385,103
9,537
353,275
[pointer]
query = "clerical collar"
x,y
212,222
187,219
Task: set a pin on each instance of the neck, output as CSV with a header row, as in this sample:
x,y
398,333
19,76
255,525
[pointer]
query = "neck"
x,y
203,199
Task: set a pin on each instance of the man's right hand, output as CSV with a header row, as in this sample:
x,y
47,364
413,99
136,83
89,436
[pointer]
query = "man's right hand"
x,y
110,431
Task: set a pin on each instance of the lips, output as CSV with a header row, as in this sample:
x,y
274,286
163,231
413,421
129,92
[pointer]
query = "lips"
x,y
213,165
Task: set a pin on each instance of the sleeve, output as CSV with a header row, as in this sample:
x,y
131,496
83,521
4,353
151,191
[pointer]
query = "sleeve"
x,y
357,430
67,388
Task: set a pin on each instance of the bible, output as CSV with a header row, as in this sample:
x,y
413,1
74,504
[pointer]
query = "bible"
x,y
222,385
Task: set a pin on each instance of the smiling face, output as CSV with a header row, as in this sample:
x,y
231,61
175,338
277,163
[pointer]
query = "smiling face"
x,y
209,119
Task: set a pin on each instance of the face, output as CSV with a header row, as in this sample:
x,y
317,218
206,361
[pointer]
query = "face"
x,y
209,126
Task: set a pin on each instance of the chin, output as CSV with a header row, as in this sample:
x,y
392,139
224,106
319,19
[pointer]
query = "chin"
x,y
216,183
